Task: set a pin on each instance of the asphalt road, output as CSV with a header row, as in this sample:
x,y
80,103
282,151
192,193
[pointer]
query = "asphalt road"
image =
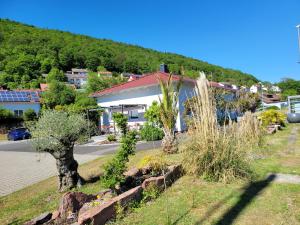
x,y
21,165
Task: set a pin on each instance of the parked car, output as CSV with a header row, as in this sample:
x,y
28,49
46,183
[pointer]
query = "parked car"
x,y
18,134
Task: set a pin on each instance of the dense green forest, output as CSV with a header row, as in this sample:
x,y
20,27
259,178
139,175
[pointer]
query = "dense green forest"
x,y
26,52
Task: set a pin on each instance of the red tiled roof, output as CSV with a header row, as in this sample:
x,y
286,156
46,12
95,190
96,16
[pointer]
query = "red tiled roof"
x,y
146,80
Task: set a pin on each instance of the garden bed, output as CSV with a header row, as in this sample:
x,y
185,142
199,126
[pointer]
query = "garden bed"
x,y
99,208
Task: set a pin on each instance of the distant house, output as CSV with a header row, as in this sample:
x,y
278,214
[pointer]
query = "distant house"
x,y
275,89
134,97
78,77
131,76
273,100
104,73
19,101
255,88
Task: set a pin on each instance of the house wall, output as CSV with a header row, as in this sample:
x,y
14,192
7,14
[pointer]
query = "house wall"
x,y
21,106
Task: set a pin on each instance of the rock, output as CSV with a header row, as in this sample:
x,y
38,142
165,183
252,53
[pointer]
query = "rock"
x,y
55,215
43,218
154,181
146,170
71,202
134,172
174,172
101,214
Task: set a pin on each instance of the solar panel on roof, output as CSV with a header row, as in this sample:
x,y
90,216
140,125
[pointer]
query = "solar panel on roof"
x,y
19,96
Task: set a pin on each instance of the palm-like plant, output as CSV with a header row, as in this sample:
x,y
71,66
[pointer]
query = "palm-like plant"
x,y
169,112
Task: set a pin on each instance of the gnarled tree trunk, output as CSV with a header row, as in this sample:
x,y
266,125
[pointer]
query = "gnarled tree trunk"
x,y
169,142
67,169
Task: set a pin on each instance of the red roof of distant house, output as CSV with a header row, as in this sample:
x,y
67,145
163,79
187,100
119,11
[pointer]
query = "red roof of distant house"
x,y
146,80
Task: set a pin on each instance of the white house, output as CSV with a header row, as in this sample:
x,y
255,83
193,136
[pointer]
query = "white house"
x,y
255,88
275,89
78,77
134,97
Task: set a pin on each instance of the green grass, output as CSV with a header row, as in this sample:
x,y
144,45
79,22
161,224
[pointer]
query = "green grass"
x,y
190,200
31,201
194,201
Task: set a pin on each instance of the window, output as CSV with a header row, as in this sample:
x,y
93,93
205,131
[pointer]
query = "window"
x,y
18,113
134,114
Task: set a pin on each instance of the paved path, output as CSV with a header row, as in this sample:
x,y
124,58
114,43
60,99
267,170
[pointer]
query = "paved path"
x,y
21,166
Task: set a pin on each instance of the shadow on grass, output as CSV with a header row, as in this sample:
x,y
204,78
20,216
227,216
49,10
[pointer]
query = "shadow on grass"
x,y
92,179
251,191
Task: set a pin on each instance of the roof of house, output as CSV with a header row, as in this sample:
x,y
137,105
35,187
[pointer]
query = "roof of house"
x,y
146,80
23,96
149,80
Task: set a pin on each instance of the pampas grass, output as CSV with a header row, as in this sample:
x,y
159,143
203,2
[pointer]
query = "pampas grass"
x,y
218,153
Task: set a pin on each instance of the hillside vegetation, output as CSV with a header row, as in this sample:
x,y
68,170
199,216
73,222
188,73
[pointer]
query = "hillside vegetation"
x,y
26,52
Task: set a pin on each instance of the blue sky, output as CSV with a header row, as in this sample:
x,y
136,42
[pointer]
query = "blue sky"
x,y
255,36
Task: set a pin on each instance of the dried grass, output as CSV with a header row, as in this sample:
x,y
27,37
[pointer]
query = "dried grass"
x,y
218,153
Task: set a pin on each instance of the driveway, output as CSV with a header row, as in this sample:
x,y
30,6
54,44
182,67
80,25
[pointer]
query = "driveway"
x,y
21,166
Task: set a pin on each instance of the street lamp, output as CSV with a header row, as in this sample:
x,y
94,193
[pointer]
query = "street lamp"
x,y
298,29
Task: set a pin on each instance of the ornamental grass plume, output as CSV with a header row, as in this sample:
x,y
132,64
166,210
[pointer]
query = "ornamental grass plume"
x,y
218,153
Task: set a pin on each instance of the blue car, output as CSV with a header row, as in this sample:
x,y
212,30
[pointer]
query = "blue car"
x,y
18,134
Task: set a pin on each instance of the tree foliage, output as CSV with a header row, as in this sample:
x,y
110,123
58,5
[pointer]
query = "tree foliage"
x,y
29,51
58,94
121,121
152,114
29,115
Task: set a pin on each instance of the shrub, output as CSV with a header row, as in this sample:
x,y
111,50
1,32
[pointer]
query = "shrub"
x,y
273,107
272,116
30,115
114,170
157,163
151,133
121,121
5,114
217,152
111,138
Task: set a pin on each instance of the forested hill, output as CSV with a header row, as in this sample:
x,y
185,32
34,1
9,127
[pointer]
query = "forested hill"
x,y
26,52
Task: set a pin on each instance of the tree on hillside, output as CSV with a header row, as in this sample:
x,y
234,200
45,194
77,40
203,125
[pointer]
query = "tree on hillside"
x,y
169,113
55,75
289,87
56,133
27,50
58,94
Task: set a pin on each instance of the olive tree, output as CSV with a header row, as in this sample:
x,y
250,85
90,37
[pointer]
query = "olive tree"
x,y
56,132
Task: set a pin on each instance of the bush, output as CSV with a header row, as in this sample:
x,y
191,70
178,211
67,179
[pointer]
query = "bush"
x,y
273,107
30,115
114,170
6,114
157,163
217,152
121,122
272,116
151,133
111,138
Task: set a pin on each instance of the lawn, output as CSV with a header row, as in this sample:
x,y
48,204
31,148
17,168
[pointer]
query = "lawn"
x,y
23,205
191,200
194,201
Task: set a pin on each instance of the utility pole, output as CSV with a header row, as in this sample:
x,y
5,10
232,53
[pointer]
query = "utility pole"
x,y
298,29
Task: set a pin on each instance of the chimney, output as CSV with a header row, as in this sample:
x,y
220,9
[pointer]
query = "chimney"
x,y
164,68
